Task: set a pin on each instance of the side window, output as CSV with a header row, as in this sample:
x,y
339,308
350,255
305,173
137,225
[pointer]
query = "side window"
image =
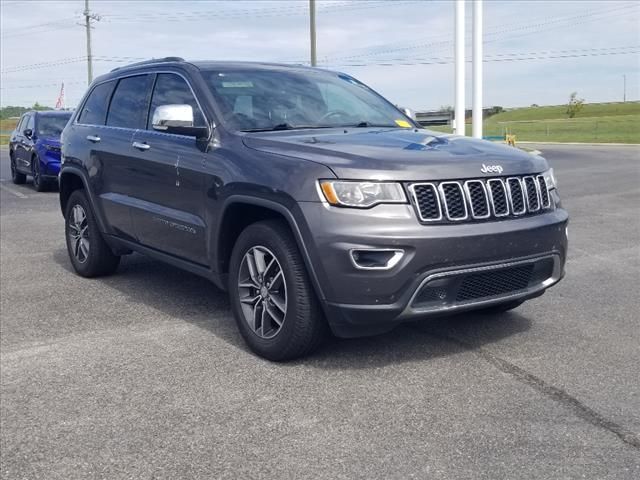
x,y
21,124
172,89
129,104
30,122
94,110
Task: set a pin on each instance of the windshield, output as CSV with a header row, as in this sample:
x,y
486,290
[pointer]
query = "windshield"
x,y
51,126
255,100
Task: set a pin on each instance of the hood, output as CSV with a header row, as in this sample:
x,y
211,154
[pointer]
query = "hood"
x,y
53,141
396,154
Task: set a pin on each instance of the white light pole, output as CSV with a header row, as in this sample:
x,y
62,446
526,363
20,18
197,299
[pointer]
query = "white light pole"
x,y
459,68
477,69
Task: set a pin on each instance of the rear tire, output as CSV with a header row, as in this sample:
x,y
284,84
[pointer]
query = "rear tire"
x,y
502,307
89,253
272,298
16,177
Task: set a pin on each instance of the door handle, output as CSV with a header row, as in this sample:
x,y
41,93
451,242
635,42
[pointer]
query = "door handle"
x,y
93,138
141,146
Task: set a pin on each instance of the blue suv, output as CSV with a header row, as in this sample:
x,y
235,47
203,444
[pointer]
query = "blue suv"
x,y
34,148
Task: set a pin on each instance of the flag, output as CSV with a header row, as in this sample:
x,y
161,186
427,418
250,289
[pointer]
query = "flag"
x,y
60,101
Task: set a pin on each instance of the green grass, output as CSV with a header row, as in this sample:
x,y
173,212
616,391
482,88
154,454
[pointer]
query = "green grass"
x,y
596,122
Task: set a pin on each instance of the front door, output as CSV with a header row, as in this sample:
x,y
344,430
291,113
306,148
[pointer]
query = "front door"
x,y
169,214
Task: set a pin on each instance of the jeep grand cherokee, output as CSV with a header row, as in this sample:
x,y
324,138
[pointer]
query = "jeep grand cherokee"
x,y
313,200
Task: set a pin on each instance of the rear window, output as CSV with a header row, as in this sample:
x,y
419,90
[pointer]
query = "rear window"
x,y
129,104
94,110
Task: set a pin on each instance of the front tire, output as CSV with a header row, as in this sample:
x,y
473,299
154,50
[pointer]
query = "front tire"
x,y
16,177
273,302
38,182
89,253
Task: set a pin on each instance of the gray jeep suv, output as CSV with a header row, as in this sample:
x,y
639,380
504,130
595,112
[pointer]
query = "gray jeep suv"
x,y
313,200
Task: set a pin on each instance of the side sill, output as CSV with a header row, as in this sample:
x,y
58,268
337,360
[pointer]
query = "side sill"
x,y
117,243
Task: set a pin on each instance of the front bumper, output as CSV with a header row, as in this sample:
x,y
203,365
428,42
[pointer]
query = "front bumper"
x,y
360,302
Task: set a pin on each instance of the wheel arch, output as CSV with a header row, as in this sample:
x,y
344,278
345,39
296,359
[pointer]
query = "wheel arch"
x,y
239,212
70,180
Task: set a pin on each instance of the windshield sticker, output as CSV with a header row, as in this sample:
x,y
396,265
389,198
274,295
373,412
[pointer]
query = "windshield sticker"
x,y
237,84
403,123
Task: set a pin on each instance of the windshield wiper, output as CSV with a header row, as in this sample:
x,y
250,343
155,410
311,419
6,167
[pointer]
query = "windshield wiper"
x,y
285,126
367,124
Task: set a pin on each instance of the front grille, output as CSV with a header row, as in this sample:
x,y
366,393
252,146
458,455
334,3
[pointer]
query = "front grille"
x,y
495,282
480,199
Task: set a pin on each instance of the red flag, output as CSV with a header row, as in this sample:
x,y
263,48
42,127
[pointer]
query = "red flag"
x,y
60,101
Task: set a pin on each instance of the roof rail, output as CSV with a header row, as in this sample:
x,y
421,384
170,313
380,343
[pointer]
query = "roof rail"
x,y
151,61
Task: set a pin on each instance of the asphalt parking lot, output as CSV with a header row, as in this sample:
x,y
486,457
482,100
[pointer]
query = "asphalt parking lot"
x,y
143,374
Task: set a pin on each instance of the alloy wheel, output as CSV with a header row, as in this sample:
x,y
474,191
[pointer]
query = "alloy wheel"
x,y
79,233
263,292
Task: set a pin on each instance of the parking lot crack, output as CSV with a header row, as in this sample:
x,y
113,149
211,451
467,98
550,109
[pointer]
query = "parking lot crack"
x,y
550,391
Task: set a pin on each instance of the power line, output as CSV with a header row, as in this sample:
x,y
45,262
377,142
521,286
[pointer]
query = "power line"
x,y
538,26
51,63
487,59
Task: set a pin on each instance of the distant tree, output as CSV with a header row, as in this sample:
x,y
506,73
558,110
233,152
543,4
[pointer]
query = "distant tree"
x,y
446,108
37,106
534,105
575,104
493,111
13,111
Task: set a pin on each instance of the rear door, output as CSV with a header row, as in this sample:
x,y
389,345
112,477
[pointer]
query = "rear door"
x,y
24,144
169,212
110,116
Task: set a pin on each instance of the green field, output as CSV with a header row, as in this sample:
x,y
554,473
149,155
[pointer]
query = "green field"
x,y
6,126
596,122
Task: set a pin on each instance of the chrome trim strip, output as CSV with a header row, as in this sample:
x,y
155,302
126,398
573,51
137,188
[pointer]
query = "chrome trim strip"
x,y
444,200
417,205
548,202
393,261
524,202
504,192
556,274
469,199
535,184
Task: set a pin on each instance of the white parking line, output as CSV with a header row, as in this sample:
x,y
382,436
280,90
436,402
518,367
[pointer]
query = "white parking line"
x,y
12,191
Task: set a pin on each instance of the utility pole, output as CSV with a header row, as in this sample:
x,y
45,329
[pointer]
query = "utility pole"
x,y
477,116
312,31
624,88
88,17
459,68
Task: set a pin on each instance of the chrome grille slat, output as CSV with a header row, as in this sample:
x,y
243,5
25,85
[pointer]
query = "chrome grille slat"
x,y
545,197
477,197
480,199
455,206
515,192
498,197
427,201
532,193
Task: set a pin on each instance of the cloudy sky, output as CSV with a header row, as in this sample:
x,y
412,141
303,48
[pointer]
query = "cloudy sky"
x,y
536,51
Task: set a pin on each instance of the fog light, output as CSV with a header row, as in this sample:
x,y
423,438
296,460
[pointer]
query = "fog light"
x,y
375,258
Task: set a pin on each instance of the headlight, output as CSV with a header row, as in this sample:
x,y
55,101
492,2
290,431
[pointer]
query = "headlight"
x,y
361,194
550,178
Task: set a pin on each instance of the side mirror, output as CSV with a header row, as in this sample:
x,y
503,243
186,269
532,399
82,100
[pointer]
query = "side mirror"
x,y
27,132
409,113
177,119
